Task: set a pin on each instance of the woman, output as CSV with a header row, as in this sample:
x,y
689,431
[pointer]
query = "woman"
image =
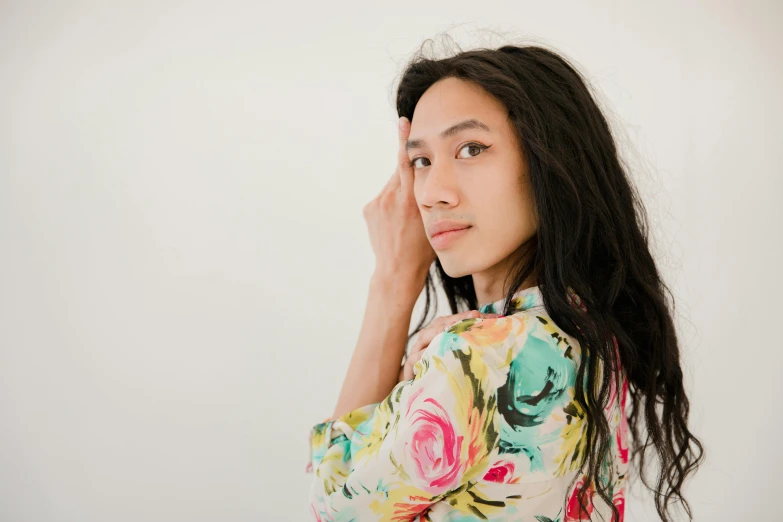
x,y
508,179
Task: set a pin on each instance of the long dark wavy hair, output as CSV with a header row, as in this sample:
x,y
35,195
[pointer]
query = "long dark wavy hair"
x,y
592,238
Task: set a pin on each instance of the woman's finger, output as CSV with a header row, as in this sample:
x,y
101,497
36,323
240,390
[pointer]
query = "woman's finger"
x,y
439,324
410,363
404,169
394,180
427,334
447,320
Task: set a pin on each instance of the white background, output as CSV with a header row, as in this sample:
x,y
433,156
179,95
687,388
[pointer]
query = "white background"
x,y
184,261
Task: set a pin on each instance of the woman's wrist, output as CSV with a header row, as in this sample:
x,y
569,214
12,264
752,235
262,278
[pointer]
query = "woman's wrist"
x,y
398,284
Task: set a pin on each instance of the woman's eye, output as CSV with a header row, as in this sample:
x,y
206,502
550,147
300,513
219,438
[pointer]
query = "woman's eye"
x,y
413,161
475,146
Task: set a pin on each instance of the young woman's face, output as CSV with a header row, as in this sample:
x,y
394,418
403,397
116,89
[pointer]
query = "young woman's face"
x,y
457,178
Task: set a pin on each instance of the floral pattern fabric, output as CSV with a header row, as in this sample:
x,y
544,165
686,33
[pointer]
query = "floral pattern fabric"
x,y
488,429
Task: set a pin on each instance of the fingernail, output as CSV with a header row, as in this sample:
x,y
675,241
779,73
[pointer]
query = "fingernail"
x,y
401,122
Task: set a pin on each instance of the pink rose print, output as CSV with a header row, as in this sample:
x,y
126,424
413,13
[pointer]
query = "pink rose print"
x,y
573,513
501,472
432,448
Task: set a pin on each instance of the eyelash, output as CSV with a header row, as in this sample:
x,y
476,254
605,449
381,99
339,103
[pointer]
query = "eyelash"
x,y
479,145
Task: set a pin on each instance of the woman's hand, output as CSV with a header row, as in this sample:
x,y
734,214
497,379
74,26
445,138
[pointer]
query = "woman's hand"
x,y
428,333
399,240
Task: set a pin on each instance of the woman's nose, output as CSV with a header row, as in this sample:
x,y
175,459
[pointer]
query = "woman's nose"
x,y
439,186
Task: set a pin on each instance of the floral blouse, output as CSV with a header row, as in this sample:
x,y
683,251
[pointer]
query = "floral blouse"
x,y
486,430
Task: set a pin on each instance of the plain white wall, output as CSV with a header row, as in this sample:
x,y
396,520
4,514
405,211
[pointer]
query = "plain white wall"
x,y
184,260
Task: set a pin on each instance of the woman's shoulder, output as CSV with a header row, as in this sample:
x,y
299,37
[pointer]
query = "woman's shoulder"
x,y
529,366
526,338
542,328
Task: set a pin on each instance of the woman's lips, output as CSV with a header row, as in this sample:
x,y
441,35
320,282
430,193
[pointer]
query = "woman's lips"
x,y
445,239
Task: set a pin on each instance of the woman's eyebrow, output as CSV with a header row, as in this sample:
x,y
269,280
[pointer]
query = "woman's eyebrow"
x,y
454,129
